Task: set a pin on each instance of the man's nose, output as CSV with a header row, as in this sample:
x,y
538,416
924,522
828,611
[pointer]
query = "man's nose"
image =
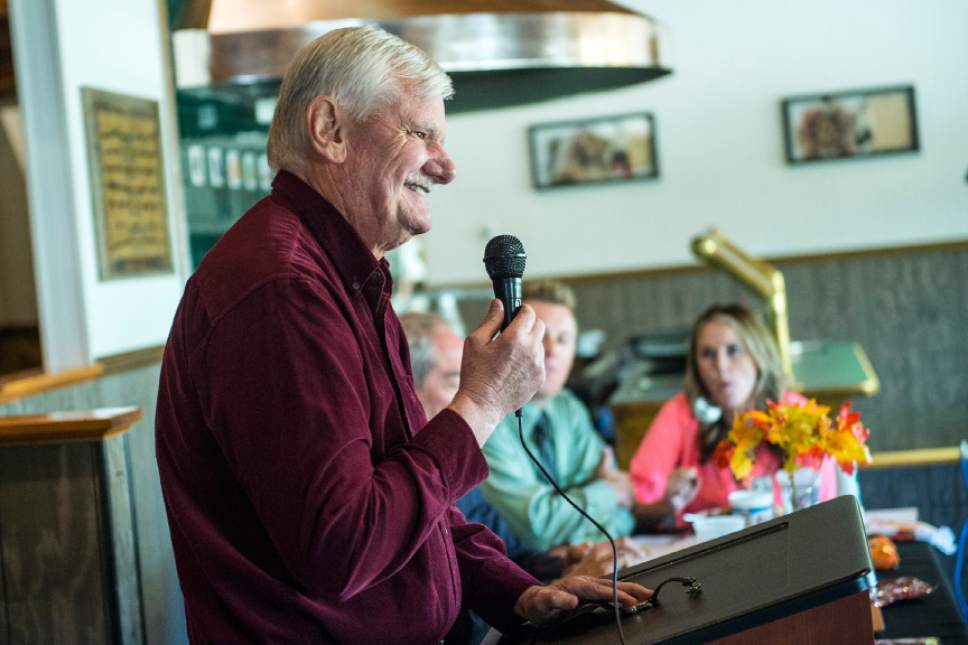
x,y
440,167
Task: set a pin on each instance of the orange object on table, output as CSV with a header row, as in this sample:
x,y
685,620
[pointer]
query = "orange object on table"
x,y
883,553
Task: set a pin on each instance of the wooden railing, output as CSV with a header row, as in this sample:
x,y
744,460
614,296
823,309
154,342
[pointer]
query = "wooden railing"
x,y
66,427
914,458
20,385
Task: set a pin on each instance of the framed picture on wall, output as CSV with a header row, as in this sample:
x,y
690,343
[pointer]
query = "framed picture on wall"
x,y
591,151
845,125
127,174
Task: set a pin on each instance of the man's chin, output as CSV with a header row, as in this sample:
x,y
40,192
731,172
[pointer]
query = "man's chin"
x,y
419,226
414,218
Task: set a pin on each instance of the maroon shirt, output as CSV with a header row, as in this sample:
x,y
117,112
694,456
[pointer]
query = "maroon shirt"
x,y
308,497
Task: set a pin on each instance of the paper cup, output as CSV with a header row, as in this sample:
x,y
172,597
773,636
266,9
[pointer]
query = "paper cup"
x,y
754,506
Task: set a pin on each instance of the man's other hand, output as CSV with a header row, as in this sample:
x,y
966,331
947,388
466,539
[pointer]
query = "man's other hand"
x,y
598,560
544,604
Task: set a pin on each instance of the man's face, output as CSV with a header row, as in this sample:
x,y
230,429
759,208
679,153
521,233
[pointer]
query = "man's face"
x,y
441,384
394,160
559,345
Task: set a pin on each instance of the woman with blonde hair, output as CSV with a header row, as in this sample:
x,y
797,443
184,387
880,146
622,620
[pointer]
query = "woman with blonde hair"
x,y
733,366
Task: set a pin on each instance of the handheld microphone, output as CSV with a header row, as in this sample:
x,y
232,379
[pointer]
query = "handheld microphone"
x,y
504,259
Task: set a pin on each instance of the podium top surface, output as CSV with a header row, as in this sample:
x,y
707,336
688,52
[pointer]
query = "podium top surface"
x,y
750,577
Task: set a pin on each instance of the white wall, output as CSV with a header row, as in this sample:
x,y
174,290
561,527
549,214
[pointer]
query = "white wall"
x,y
113,45
720,145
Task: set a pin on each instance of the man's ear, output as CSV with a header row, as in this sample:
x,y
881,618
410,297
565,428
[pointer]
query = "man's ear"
x,y
325,123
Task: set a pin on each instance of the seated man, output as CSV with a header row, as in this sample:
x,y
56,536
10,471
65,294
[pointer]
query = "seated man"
x,y
435,358
559,432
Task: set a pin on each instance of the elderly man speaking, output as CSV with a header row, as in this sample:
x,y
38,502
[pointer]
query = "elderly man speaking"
x,y
309,498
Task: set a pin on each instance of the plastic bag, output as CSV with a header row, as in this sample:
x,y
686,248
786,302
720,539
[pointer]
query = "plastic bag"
x,y
903,588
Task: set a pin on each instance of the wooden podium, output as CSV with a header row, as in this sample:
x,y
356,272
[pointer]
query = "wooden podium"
x,y
800,578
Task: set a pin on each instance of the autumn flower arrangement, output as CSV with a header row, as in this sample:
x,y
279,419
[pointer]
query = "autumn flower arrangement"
x,y
802,432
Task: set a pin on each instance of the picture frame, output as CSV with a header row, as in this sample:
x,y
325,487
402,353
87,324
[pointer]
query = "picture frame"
x,y
598,150
850,124
127,175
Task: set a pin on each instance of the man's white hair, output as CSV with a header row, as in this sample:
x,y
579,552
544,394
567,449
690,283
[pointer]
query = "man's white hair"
x,y
363,69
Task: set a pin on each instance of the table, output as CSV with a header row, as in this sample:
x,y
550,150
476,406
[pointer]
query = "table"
x,y
934,615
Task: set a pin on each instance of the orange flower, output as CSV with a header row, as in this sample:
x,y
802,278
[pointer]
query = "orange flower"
x,y
724,453
803,432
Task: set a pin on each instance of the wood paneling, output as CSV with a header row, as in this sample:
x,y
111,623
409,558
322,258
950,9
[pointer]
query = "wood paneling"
x,y
847,620
152,564
909,313
52,564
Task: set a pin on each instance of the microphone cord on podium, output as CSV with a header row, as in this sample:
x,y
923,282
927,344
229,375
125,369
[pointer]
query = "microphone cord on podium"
x,y
551,480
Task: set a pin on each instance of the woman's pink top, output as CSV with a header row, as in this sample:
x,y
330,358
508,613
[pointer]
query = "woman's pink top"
x,y
673,442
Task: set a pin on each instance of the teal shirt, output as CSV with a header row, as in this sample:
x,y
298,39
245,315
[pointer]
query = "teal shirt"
x,y
525,499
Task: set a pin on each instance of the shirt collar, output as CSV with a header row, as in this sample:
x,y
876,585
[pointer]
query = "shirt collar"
x,y
354,262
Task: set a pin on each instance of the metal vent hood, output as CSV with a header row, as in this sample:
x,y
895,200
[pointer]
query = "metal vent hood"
x,y
499,52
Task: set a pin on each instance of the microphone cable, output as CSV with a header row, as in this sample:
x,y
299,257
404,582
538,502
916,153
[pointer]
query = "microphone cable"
x,y
551,480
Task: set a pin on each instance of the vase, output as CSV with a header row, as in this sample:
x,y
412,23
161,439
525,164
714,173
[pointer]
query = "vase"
x,y
801,491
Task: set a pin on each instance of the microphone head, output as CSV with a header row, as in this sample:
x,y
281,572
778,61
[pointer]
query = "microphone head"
x,y
504,257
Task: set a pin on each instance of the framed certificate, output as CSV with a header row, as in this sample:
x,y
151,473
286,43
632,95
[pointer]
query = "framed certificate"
x,y
127,173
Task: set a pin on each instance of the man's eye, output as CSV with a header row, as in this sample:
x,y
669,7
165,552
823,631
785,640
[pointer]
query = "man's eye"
x,y
420,134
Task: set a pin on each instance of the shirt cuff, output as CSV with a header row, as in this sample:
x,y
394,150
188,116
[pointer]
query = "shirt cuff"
x,y
495,602
452,444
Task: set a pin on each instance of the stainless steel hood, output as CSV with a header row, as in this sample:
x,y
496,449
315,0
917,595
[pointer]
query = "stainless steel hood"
x,y
499,52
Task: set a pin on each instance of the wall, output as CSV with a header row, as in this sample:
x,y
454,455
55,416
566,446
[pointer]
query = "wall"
x,y
61,46
720,145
